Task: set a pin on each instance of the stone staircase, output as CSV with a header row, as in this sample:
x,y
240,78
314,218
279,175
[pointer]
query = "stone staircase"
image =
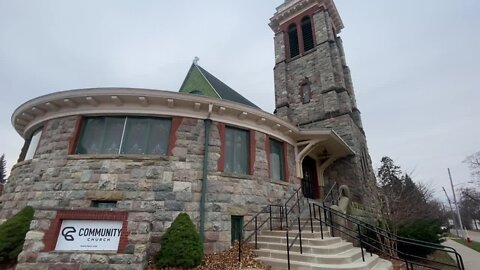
x,y
318,254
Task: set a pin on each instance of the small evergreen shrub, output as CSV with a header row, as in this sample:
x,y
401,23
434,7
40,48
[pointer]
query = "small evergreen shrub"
x,y
180,245
428,231
12,234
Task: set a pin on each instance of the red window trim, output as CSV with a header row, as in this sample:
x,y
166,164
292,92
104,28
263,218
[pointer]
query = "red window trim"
x,y
51,236
267,151
252,143
26,144
285,163
297,20
172,141
221,160
72,144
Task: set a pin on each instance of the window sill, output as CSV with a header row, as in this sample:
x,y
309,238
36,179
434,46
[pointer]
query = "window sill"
x,y
301,54
118,156
236,175
279,182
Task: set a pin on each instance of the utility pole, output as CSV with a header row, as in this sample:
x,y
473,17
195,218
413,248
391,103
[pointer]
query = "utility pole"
x,y
451,210
456,204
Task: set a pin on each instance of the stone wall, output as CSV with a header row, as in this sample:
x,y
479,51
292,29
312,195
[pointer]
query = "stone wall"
x,y
153,190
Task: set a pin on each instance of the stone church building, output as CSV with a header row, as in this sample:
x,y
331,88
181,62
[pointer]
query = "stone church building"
x,y
114,166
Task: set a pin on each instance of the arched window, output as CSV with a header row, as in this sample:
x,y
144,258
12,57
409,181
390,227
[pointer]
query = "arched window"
x,y
307,34
293,40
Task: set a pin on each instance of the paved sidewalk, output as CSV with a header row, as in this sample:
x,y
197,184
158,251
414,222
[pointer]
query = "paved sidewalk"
x,y
471,258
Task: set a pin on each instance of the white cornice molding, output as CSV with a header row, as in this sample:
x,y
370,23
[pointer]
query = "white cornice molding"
x,y
134,101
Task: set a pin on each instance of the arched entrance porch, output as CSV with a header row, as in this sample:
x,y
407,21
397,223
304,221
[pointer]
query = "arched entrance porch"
x,y
314,154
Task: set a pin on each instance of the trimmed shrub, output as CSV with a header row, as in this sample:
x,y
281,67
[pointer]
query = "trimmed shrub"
x,y
180,245
428,231
12,234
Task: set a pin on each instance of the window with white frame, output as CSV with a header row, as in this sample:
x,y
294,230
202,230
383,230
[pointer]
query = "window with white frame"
x,y
32,147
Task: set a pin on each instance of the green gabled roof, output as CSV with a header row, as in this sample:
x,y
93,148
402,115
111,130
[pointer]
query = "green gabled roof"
x,y
200,82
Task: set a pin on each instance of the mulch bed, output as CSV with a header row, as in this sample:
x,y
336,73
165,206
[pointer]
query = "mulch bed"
x,y
227,260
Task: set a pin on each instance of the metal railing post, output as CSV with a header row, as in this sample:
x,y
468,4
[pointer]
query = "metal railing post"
x,y
286,216
298,204
256,246
270,217
311,220
361,241
288,250
331,223
239,250
281,217
300,233
320,217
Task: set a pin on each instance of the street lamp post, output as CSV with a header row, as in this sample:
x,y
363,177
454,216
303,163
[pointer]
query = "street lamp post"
x,y
456,204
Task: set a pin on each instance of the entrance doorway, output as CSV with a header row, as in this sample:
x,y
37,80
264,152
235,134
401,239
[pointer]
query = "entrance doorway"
x,y
310,180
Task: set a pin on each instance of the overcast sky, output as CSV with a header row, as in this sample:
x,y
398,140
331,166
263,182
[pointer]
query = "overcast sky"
x,y
415,64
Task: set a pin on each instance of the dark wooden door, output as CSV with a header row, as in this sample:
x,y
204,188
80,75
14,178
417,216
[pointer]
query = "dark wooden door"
x,y
310,180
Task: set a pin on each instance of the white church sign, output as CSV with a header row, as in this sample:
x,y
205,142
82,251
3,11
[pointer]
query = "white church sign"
x,y
91,235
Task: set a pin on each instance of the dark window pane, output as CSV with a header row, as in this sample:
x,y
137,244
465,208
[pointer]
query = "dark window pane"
x,y
92,136
104,204
158,136
307,34
113,134
236,151
276,160
236,228
136,131
293,40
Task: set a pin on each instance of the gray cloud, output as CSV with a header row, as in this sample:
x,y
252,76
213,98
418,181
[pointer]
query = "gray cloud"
x,y
414,63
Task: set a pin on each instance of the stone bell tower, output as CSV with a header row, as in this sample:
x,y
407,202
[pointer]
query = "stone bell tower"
x,y
313,86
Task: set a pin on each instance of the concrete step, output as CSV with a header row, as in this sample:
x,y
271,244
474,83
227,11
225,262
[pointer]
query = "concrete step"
x,y
333,248
383,265
293,233
305,240
281,264
334,259
308,227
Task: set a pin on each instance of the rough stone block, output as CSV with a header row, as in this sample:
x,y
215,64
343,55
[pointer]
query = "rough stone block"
x,y
80,258
140,216
182,186
64,266
34,235
104,195
101,259
32,266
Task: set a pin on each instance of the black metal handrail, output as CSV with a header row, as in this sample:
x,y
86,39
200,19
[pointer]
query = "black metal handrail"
x,y
266,210
331,194
297,204
356,233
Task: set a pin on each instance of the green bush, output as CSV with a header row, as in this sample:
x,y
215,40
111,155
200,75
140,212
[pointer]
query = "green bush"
x,y
12,234
428,231
180,245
